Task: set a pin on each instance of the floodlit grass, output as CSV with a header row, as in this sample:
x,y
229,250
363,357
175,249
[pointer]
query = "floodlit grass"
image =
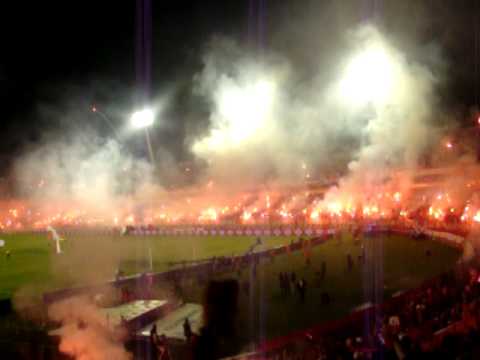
x,y
29,262
395,263
34,267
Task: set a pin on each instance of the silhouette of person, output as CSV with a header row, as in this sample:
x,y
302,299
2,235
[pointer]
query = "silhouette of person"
x,y
187,329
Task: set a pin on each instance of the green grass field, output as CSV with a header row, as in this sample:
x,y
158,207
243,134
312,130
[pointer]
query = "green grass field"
x,y
400,264
33,267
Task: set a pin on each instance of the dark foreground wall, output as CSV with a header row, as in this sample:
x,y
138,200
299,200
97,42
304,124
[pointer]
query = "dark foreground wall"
x,y
5,307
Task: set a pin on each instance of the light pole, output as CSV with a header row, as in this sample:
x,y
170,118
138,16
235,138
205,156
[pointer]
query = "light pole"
x,y
106,119
143,119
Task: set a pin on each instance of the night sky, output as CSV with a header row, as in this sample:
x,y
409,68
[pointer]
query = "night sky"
x,y
59,55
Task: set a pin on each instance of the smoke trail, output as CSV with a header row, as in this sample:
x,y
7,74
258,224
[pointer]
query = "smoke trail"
x,y
85,333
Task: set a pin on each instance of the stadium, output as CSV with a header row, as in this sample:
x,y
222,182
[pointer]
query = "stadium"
x,y
240,180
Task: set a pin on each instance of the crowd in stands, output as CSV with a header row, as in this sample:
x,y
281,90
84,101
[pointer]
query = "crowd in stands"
x,y
440,320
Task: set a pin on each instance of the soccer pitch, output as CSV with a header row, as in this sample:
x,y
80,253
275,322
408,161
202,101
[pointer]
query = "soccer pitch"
x,y
33,268
401,263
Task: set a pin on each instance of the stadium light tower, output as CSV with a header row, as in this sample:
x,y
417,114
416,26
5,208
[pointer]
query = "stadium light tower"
x,y
143,119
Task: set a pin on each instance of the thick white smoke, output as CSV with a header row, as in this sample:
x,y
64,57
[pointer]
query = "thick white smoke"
x,y
94,174
397,100
267,124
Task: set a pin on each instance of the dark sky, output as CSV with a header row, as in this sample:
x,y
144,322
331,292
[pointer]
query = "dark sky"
x,y
62,54
57,52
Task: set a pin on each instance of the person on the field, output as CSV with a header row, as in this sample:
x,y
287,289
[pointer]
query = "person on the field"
x,y
307,256
302,288
338,235
360,259
289,287
159,345
324,270
292,282
364,254
271,254
325,298
246,287
162,348
283,286
7,254
153,332
318,279
349,263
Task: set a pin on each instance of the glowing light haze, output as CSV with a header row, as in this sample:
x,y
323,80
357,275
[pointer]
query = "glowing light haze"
x,y
267,124
369,77
370,113
241,112
244,109
142,118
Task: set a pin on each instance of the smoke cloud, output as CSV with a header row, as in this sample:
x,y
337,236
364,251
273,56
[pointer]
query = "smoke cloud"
x,y
94,174
85,333
372,115
368,113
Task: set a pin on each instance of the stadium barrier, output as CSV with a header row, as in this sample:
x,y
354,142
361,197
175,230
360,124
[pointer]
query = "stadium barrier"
x,y
191,270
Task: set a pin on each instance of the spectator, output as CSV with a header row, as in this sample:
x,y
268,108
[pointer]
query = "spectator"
x,y
289,287
246,287
325,298
293,277
281,282
217,339
349,263
324,269
302,289
159,345
187,330
163,349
